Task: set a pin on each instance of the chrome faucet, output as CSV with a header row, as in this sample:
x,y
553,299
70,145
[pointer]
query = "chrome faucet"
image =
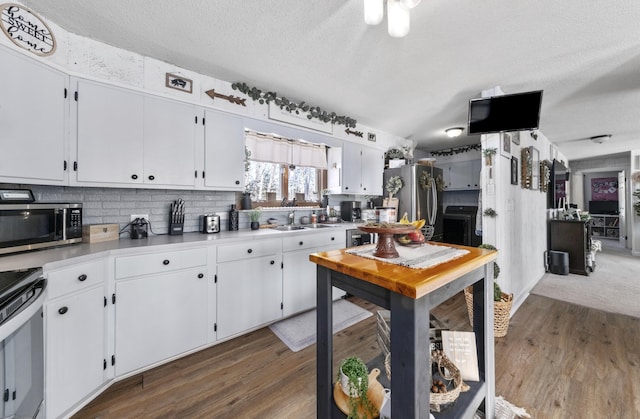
x,y
291,217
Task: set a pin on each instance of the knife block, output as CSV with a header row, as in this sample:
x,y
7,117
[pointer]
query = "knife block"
x,y
176,229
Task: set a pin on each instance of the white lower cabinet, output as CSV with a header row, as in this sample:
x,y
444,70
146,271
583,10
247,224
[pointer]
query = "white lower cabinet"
x,y
249,288
75,342
299,273
159,316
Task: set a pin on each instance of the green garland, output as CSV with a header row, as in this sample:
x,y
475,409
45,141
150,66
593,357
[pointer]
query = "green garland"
x,y
456,150
291,106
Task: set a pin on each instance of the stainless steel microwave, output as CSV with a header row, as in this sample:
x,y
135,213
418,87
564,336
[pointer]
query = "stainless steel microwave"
x,y
37,226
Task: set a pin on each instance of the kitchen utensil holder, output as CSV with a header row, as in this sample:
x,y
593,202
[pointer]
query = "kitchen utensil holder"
x,y
176,229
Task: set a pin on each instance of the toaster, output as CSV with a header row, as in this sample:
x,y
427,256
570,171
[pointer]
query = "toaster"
x,y
210,223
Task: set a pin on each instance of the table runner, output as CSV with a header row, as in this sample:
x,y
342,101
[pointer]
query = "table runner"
x,y
416,257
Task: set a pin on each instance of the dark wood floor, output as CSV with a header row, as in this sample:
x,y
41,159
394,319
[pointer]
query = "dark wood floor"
x,y
558,361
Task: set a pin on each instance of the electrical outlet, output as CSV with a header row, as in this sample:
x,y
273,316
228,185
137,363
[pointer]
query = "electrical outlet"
x,y
143,216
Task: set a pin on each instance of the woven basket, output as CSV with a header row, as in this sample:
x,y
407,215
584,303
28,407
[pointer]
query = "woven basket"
x,y
438,401
501,312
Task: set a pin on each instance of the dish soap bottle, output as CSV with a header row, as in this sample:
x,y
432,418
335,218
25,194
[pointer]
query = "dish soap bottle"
x,y
314,218
234,216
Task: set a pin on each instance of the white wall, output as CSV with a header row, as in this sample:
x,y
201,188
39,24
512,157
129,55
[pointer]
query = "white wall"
x,y
519,231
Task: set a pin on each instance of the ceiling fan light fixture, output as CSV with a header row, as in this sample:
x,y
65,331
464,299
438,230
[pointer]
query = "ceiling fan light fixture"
x,y
373,11
599,139
454,132
398,19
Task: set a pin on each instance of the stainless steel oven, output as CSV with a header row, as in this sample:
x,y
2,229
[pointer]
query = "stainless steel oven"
x,y
25,225
459,225
21,347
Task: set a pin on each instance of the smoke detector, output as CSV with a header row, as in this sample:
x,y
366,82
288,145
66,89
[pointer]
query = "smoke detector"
x,y
599,139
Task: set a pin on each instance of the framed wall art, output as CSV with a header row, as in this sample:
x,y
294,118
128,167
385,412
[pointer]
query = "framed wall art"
x,y
535,168
173,81
515,137
514,170
505,147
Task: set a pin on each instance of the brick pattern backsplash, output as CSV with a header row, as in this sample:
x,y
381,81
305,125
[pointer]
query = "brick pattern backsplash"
x,y
115,205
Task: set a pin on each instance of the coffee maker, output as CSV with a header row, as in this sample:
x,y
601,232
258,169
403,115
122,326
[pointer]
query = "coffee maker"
x,y
350,211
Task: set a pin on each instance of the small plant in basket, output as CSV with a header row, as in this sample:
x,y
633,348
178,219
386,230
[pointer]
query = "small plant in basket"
x,y
502,301
354,381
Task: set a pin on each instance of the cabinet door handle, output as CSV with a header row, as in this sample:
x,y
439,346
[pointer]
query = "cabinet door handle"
x,y
200,276
63,310
82,278
165,262
301,242
237,182
272,262
333,238
249,250
151,177
134,177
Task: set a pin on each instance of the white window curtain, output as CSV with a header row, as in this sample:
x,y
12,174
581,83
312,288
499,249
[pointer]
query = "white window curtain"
x,y
268,148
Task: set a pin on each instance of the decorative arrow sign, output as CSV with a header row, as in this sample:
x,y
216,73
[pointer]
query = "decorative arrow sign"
x,y
233,99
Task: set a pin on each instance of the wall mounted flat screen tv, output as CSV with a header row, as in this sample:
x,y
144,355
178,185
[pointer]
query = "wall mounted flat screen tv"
x,y
515,112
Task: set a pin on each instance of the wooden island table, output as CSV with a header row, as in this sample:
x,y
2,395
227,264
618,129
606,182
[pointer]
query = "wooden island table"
x,y
410,294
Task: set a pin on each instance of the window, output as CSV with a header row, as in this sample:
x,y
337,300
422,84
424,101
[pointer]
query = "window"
x,y
272,182
280,169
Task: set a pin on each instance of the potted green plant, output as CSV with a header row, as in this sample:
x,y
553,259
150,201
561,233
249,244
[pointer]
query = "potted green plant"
x,y
501,301
354,382
254,216
393,186
488,155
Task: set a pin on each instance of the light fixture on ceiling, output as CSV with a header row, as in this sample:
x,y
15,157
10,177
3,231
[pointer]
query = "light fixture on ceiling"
x,y
454,132
599,139
398,18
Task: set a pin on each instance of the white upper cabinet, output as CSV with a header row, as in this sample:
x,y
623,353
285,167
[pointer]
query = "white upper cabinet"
x,y
33,115
463,175
109,135
169,142
223,151
126,137
362,169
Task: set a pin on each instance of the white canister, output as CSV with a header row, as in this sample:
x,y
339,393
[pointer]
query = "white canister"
x,y
386,215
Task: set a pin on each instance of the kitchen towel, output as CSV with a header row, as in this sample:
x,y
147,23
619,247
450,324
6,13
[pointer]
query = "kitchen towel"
x,y
423,256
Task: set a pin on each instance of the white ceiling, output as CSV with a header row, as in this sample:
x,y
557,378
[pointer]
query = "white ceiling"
x,y
584,54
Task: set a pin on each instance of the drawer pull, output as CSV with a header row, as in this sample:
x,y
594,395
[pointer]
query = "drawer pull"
x,y
301,242
134,177
272,262
63,310
165,262
200,276
250,251
82,278
333,238
151,177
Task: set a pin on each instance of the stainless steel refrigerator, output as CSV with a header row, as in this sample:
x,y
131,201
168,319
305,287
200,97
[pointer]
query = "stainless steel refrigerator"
x,y
416,197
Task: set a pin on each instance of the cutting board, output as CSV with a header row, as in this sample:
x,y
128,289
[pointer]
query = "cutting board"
x,y
375,394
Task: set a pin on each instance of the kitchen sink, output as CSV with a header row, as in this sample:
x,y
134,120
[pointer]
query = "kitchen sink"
x,y
317,226
289,228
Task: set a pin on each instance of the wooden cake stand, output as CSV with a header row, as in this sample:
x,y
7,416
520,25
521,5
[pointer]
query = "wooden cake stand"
x,y
386,247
